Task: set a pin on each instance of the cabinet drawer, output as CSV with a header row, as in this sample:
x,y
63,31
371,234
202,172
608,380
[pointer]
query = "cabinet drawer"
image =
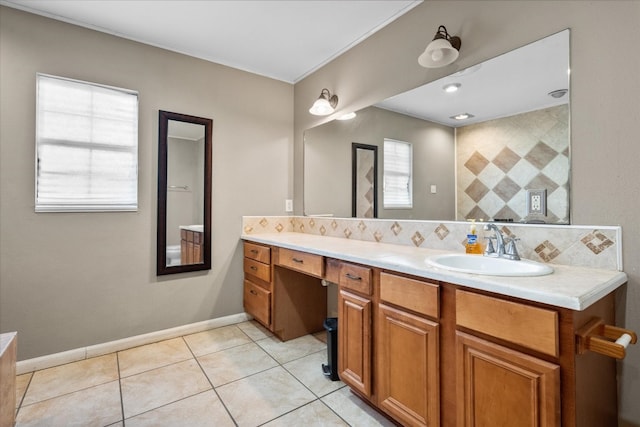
x,y
258,252
332,270
307,263
257,302
355,277
257,269
531,327
415,295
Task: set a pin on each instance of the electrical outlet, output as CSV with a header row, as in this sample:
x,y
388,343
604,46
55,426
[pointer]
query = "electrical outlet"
x,y
537,202
288,205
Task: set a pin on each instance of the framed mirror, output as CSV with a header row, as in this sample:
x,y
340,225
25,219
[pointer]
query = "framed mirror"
x,y
514,141
364,181
184,193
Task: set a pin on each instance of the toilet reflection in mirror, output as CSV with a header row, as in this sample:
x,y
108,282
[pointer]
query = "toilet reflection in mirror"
x,y
184,192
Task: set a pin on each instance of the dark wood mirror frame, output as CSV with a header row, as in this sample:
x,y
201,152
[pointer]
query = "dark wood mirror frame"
x,y
162,268
355,148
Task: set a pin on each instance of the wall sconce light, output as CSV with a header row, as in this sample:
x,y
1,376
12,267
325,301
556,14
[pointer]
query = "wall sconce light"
x,y
325,104
443,50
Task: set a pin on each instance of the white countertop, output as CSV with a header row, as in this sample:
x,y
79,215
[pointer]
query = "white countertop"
x,y
574,288
5,340
197,228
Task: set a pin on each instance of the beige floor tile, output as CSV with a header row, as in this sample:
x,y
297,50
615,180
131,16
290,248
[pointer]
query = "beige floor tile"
x,y
152,389
290,350
308,370
202,410
234,363
72,377
262,397
315,414
353,410
216,339
147,357
22,381
254,330
94,406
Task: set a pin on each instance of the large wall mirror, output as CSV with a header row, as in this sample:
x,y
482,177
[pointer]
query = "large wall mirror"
x,y
483,140
184,193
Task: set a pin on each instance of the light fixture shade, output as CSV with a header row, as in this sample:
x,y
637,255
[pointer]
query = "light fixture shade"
x,y
325,104
442,51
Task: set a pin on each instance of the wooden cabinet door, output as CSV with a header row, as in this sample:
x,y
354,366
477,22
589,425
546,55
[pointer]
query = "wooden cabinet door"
x,y
354,341
498,386
407,367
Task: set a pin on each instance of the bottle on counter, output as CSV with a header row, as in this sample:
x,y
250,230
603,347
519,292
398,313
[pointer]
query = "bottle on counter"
x,y
473,245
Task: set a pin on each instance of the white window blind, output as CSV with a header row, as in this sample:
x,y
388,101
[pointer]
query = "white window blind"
x,y
397,191
86,147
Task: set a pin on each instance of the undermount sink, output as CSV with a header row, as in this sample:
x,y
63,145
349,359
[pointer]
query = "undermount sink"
x,y
478,264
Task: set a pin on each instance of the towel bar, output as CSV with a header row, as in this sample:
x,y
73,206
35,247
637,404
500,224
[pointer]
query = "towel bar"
x,y
604,339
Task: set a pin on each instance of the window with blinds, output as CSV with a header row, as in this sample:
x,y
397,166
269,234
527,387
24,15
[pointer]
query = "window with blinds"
x,y
397,175
86,147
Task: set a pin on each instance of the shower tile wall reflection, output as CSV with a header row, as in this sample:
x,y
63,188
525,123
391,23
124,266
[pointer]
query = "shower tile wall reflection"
x,y
498,160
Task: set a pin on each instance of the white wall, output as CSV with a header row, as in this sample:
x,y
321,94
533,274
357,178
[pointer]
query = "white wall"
x,y
605,89
72,280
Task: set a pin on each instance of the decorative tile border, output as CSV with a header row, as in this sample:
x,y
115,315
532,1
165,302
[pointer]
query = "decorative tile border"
x,y
578,245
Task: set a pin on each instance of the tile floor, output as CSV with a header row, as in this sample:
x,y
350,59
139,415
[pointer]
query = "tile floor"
x,y
238,375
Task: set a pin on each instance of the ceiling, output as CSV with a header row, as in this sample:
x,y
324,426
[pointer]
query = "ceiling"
x,y
283,40
515,82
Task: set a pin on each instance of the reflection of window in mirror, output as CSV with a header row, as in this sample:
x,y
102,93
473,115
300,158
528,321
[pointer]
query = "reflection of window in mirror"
x,y
397,174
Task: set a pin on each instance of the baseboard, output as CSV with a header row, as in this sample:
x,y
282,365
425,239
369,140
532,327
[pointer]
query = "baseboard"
x,y
51,360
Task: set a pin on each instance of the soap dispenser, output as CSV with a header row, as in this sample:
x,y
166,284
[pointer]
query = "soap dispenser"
x,y
473,246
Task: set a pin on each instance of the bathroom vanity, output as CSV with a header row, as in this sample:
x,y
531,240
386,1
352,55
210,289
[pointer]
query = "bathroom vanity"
x,y
429,347
191,244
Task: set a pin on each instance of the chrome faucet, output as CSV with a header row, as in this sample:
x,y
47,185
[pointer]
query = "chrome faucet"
x,y
502,249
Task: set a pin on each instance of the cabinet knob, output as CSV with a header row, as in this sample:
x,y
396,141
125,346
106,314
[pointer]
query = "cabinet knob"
x,y
253,292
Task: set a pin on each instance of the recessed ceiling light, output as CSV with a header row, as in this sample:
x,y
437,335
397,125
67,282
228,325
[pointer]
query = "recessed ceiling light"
x,y
559,93
462,116
347,116
451,87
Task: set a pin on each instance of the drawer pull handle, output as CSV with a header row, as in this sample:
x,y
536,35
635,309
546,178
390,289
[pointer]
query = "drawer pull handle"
x,y
352,277
252,292
298,260
605,339
254,251
254,268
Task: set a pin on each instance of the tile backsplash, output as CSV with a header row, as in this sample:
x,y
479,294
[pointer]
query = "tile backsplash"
x,y
578,245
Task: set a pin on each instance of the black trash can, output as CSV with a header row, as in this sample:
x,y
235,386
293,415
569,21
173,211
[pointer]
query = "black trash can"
x,y
331,368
